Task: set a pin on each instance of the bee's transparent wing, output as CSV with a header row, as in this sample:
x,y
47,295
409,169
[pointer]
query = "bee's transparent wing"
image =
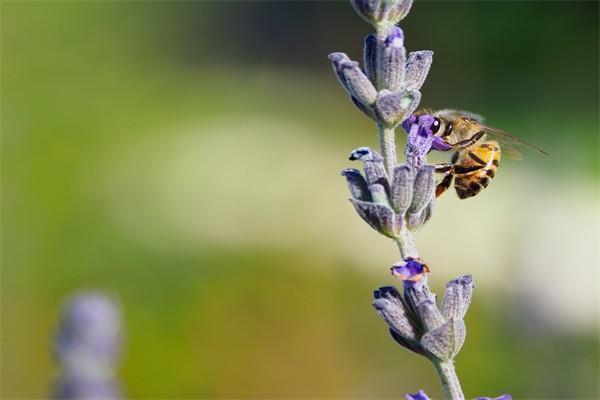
x,y
509,142
452,114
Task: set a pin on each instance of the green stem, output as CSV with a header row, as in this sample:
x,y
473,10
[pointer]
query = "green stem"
x,y
387,143
450,384
407,245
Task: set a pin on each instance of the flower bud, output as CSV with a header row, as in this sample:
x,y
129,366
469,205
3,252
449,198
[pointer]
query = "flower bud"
x,y
406,343
399,10
391,61
417,68
367,110
373,165
379,216
429,315
445,341
457,297
351,77
393,107
402,188
371,49
389,306
357,184
424,189
378,194
382,12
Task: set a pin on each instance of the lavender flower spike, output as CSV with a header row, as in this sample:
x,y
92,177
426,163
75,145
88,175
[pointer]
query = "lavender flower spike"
x,y
87,346
396,200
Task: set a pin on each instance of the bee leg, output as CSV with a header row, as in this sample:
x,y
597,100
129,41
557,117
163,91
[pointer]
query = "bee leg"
x,y
444,184
443,168
461,170
469,142
455,157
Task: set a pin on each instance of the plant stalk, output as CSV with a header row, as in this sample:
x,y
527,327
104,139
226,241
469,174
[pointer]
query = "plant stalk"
x,y
407,245
450,384
387,143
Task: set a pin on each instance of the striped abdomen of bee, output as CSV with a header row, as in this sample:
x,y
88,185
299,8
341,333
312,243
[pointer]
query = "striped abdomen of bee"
x,y
475,166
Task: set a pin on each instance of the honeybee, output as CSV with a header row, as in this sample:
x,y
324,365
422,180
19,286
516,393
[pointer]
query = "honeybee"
x,y
478,150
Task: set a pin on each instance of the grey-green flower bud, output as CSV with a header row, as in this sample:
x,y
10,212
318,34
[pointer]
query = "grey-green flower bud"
x,y
391,61
406,343
378,194
382,12
351,77
371,49
389,305
417,294
457,297
357,184
402,188
373,166
399,10
416,220
424,189
367,110
417,68
430,315
379,216
445,341
394,107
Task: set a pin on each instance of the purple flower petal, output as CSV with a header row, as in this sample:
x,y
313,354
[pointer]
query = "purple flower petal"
x,y
410,272
395,38
420,395
408,123
421,139
440,144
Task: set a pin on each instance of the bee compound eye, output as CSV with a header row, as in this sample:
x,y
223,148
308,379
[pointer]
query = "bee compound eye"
x,y
435,126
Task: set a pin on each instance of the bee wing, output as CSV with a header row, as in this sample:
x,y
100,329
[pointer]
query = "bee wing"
x,y
509,142
452,114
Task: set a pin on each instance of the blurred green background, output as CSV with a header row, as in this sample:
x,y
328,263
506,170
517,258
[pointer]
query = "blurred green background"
x,y
186,156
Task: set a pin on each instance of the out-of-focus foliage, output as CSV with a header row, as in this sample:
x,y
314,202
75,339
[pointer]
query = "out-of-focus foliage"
x,y
186,156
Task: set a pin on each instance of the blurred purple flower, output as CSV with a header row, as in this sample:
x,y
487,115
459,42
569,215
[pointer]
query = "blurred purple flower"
x,y
503,397
87,346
